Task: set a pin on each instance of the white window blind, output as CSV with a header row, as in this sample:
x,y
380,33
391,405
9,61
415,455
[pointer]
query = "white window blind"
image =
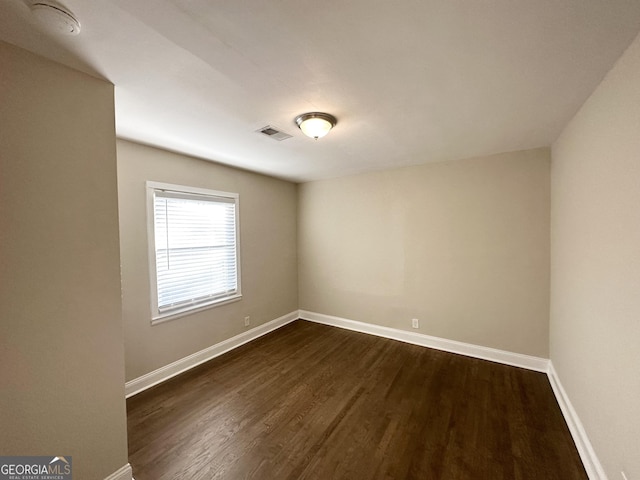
x,y
195,249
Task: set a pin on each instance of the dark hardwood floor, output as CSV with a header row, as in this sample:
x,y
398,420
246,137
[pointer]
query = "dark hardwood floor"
x,y
315,402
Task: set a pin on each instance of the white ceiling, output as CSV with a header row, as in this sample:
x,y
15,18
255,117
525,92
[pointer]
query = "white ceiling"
x,y
410,81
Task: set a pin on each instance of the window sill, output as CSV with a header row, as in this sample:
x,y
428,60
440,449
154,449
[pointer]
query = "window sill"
x,y
167,317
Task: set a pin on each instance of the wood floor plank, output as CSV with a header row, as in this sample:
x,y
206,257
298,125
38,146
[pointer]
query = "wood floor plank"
x,y
310,401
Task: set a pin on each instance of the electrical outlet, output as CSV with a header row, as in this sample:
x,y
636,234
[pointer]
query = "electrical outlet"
x,y
415,323
247,321
624,476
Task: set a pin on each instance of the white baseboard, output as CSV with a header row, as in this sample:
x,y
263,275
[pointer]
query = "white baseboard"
x,y
162,374
583,445
123,473
485,353
585,449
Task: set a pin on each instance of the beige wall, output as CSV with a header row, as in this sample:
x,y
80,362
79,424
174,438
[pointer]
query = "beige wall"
x,y
61,347
595,275
268,255
463,246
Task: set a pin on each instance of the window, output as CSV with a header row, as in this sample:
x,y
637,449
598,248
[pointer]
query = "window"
x,y
193,249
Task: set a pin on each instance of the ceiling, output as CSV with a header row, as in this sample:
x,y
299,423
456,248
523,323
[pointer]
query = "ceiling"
x,y
410,81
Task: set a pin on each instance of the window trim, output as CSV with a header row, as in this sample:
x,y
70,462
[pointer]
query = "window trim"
x,y
156,315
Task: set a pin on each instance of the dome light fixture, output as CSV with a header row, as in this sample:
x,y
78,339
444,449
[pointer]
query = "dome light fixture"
x,y
315,124
55,18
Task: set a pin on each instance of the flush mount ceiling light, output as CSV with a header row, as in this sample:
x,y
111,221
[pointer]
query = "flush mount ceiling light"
x,y
55,18
316,124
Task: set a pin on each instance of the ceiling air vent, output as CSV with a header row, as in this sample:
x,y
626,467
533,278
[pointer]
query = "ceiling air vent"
x,y
274,133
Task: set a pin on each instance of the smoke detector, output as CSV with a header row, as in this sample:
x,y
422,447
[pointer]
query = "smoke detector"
x,y
55,18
